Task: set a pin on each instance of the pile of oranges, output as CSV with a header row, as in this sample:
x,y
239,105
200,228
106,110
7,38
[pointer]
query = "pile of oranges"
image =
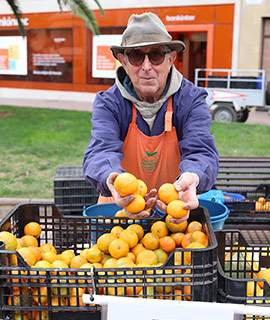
x,y
262,205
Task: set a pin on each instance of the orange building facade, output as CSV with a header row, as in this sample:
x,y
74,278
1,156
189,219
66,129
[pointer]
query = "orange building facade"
x,y
60,52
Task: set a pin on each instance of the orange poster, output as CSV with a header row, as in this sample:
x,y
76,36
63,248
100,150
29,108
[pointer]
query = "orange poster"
x,y
4,59
105,59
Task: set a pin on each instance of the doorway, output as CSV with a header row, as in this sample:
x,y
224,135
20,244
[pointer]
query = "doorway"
x,y
195,54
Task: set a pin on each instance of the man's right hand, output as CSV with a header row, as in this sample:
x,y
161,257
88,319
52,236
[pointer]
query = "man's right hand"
x,y
150,199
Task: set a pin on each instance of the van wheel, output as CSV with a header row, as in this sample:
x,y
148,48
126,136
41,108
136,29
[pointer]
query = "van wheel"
x,y
224,113
267,94
242,116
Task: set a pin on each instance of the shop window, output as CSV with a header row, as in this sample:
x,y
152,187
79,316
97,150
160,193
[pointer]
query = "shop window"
x,y
49,56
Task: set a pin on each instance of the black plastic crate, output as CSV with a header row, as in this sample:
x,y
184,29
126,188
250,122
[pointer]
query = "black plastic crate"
x,y
71,192
239,262
76,233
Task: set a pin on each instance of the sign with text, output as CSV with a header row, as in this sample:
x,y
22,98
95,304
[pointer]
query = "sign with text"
x,y
103,62
13,55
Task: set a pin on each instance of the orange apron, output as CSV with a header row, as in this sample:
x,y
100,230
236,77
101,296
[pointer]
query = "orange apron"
x,y
155,160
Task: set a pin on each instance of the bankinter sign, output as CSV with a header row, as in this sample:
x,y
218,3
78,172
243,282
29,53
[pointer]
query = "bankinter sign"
x,y
12,22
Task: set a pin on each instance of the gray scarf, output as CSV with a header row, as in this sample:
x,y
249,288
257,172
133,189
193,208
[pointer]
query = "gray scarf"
x,y
149,110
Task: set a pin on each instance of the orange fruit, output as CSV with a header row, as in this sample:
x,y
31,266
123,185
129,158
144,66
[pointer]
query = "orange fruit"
x,y
41,315
142,188
194,226
94,255
9,239
110,263
67,256
174,227
32,229
116,230
105,257
59,264
195,245
264,274
28,255
167,244
176,209
55,301
186,240
130,237
167,193
120,213
43,264
150,241
177,237
76,297
118,248
104,241
161,255
138,229
160,229
262,200
126,184
147,256
40,295
131,256
49,256
138,248
124,262
37,252
77,261
83,253
30,241
47,247
136,205
20,243
199,236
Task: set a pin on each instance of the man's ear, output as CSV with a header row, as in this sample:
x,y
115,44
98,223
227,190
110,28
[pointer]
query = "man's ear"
x,y
121,58
172,57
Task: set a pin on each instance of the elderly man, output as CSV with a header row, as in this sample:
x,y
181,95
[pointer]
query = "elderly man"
x,y
151,115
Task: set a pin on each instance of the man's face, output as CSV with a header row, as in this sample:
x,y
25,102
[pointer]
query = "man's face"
x,y
148,78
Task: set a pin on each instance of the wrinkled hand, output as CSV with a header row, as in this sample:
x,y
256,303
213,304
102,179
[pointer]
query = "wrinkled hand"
x,y
186,187
150,199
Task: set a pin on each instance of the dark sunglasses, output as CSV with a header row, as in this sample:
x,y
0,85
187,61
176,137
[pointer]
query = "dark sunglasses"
x,y
155,56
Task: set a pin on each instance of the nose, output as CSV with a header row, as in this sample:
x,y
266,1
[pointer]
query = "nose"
x,y
146,65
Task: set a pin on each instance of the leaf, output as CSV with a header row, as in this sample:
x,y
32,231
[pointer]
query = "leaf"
x,y
80,9
148,153
17,13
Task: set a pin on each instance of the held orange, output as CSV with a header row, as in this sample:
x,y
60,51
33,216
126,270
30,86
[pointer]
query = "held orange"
x,y
137,205
176,209
174,227
126,184
167,193
142,189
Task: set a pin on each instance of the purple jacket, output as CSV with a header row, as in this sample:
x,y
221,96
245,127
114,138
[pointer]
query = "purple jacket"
x,y
112,115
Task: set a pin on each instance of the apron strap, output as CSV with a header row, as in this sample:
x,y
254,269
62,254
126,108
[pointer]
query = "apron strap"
x,y
168,116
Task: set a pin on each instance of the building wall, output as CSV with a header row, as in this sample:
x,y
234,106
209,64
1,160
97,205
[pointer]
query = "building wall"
x,y
251,32
216,18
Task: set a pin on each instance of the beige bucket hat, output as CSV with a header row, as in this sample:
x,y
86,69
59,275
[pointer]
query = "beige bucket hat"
x,y
146,30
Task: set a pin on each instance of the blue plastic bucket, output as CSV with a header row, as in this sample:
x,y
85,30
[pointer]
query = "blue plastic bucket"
x,y
218,212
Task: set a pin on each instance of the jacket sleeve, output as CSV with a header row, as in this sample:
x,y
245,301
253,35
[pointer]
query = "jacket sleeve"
x,y
196,142
104,154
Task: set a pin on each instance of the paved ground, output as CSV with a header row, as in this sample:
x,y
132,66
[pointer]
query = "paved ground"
x,y
6,204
